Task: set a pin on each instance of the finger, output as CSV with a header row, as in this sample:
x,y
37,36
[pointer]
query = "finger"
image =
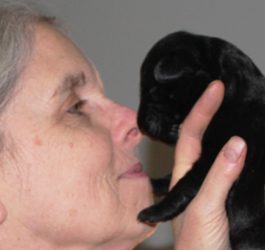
x,y
189,143
224,172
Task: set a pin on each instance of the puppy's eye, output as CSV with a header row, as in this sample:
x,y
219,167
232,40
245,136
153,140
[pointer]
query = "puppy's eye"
x,y
76,109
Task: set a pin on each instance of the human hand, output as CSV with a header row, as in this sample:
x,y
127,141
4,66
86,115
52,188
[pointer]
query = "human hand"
x,y
204,225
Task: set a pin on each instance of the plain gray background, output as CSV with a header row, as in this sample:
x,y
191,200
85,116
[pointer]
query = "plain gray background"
x,y
116,35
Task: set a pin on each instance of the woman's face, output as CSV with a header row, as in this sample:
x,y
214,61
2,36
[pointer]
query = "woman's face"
x,y
72,177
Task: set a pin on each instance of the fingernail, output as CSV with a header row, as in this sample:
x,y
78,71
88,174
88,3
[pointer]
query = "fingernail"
x,y
234,149
211,88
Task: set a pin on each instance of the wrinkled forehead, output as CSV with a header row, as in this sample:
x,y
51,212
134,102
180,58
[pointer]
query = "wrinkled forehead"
x,y
50,43
54,60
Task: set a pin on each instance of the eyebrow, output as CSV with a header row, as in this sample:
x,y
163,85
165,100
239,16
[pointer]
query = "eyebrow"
x,y
70,82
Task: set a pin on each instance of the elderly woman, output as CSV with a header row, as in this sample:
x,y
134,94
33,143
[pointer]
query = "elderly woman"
x,y
69,176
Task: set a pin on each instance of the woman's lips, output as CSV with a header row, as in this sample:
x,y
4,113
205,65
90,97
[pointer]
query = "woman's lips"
x,y
136,171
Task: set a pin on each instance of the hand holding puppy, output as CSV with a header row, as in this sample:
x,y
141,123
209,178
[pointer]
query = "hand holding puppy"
x,y
204,225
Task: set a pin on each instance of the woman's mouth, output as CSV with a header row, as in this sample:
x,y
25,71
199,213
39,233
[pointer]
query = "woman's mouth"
x,y
135,171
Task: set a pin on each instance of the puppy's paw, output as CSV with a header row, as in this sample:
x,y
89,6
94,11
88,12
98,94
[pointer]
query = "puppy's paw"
x,y
159,212
150,215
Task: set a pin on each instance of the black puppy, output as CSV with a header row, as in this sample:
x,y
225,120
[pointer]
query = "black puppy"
x,y
174,74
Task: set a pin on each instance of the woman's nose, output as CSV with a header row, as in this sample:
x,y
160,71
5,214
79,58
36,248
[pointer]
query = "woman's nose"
x,y
124,125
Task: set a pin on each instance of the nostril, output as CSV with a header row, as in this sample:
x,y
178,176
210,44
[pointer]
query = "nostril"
x,y
134,132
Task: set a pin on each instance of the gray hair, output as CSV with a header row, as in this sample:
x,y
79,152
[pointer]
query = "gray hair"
x,y
17,22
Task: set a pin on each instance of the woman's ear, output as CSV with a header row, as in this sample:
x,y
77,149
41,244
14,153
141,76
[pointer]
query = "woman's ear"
x,y
3,213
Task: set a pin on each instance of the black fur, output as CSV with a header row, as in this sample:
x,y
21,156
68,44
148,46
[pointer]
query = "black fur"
x,y
174,74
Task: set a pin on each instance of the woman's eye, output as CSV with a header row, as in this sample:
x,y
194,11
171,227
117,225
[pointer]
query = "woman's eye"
x,y
76,108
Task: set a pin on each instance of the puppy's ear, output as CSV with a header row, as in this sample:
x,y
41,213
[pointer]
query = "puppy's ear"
x,y
183,64
170,68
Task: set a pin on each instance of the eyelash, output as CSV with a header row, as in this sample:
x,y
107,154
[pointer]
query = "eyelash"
x,y
76,108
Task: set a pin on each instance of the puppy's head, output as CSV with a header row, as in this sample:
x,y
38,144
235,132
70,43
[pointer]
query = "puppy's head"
x,y
175,73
